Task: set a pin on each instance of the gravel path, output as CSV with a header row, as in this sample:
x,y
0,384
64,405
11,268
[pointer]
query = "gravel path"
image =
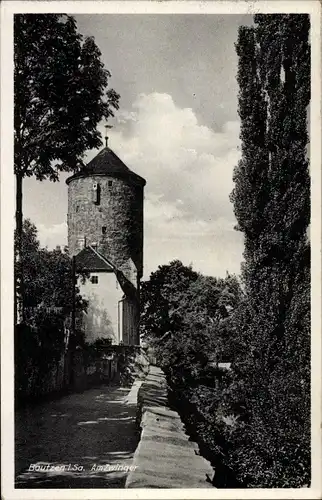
x,y
77,441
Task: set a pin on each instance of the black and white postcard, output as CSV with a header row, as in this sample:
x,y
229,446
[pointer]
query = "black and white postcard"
x,y
161,249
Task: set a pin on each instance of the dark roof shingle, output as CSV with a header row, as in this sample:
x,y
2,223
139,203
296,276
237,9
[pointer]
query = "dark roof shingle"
x,y
87,260
107,163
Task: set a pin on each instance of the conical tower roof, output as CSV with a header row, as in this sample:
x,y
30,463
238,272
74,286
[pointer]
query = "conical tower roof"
x,y
107,163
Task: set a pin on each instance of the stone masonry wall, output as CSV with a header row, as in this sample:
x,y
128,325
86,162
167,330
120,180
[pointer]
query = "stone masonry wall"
x,y
120,211
165,456
79,370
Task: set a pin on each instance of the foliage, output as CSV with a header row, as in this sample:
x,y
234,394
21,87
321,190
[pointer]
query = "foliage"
x,y
271,387
176,296
48,279
45,335
253,421
185,318
160,297
101,344
60,95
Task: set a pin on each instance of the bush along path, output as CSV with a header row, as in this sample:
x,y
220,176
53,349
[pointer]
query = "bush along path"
x,y
202,428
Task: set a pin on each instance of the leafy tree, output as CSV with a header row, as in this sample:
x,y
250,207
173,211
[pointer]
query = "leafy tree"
x,y
162,295
210,300
254,421
186,318
183,313
60,95
44,336
272,206
48,283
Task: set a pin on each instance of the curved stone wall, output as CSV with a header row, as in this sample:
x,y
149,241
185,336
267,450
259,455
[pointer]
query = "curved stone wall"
x,y
114,224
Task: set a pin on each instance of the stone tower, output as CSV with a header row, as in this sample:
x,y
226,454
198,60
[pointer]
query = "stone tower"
x,y
105,234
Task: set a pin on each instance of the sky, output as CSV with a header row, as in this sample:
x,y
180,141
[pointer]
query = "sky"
x,y
177,126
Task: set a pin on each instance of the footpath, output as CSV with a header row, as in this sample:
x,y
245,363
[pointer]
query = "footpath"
x,y
165,457
82,440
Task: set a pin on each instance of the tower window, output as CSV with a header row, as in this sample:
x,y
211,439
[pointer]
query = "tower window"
x,y
94,280
110,183
96,190
104,229
77,208
81,242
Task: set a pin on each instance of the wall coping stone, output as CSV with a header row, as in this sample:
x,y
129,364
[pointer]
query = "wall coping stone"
x,y
165,456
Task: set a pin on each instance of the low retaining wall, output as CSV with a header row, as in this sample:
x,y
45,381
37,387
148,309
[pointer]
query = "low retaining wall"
x,y
77,371
126,364
164,458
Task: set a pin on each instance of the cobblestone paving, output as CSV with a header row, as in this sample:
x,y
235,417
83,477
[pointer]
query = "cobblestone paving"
x,y
76,441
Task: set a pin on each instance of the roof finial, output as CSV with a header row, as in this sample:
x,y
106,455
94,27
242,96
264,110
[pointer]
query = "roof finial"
x,y
106,136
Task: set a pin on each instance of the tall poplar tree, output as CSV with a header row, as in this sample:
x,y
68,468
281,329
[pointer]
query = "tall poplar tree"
x,y
60,95
272,206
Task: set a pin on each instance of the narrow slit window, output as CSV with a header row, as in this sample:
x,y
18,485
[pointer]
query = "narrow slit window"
x,y
96,193
104,229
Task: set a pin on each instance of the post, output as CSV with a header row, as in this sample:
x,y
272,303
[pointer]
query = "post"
x,y
73,325
120,320
18,271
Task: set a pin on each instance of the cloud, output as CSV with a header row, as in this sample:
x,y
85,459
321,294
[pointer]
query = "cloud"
x,y
178,157
188,168
52,235
211,246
